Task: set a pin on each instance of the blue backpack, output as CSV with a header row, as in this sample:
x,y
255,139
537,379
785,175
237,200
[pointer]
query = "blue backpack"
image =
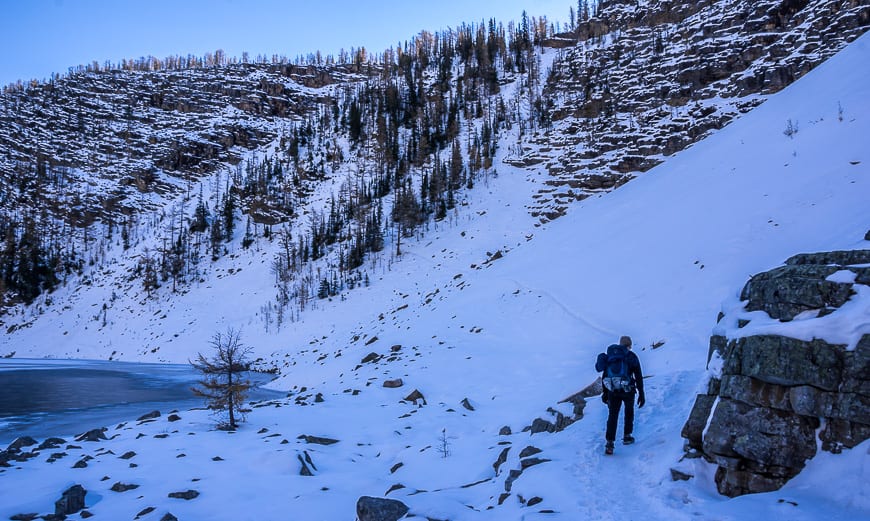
x,y
614,365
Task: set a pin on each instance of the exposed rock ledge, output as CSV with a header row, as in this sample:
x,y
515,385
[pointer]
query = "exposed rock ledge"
x,y
771,396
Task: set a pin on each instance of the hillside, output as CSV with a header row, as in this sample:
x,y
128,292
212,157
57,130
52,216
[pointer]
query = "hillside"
x,y
162,179
497,309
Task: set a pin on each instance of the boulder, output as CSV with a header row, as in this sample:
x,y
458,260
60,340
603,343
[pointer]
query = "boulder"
x,y
775,398
149,416
416,396
379,509
71,501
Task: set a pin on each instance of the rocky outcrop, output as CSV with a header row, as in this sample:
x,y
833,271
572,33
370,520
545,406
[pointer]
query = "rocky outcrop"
x,y
647,79
773,399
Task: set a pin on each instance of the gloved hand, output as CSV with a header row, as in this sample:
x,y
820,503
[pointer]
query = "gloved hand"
x,y
604,397
640,400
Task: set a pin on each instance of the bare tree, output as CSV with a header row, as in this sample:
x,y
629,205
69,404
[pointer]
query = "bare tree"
x,y
223,385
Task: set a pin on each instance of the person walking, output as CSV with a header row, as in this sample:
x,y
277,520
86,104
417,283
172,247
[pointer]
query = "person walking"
x,y
622,380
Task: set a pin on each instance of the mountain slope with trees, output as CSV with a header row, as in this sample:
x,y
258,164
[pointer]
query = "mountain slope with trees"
x,y
460,382
340,159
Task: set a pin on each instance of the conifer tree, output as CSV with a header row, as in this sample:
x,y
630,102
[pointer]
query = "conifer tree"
x,y
223,385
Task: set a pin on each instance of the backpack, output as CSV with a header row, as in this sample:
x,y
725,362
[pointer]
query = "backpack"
x,y
614,365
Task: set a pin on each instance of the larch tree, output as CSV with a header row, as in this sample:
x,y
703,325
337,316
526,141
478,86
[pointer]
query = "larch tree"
x,y
223,385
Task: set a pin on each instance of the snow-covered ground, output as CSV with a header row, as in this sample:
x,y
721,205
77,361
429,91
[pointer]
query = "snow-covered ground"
x,y
657,259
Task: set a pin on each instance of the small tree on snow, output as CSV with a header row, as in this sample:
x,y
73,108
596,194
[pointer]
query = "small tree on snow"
x,y
791,128
444,444
222,384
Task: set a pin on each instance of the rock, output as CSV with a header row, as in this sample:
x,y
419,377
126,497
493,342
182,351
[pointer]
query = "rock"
x,y
92,435
531,462
839,258
173,418
51,443
529,451
379,509
318,440
24,517
678,475
512,476
393,384
186,495
760,419
82,463
127,455
466,404
71,501
694,427
542,425
867,236
123,487
144,511
395,487
502,458
785,292
786,361
168,517
371,357
20,443
415,396
504,431
150,416
304,471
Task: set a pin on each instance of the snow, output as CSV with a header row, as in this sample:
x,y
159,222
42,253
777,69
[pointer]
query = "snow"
x,y
657,259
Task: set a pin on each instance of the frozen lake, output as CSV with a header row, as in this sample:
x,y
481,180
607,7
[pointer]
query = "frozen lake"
x,y
41,398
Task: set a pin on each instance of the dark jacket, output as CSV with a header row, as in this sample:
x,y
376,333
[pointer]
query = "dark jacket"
x,y
635,374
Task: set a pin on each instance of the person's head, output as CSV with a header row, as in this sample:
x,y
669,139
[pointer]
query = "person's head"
x,y
625,341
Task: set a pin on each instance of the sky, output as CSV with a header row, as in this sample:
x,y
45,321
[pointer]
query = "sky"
x,y
45,36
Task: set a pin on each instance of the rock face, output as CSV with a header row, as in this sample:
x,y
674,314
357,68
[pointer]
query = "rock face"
x,y
772,393
647,79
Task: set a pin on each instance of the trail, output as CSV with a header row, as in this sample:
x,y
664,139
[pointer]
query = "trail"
x,y
568,311
623,481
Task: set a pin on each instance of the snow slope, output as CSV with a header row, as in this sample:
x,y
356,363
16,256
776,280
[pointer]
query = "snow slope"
x,y
657,259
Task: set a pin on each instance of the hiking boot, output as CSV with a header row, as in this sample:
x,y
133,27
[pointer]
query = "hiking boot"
x,y
608,448
628,440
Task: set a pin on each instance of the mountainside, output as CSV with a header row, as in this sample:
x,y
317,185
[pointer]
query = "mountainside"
x,y
343,157
363,253
493,348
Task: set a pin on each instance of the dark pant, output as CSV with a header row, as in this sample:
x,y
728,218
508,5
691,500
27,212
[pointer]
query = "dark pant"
x,y
614,403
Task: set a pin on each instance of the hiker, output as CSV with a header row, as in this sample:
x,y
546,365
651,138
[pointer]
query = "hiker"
x,y
622,379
